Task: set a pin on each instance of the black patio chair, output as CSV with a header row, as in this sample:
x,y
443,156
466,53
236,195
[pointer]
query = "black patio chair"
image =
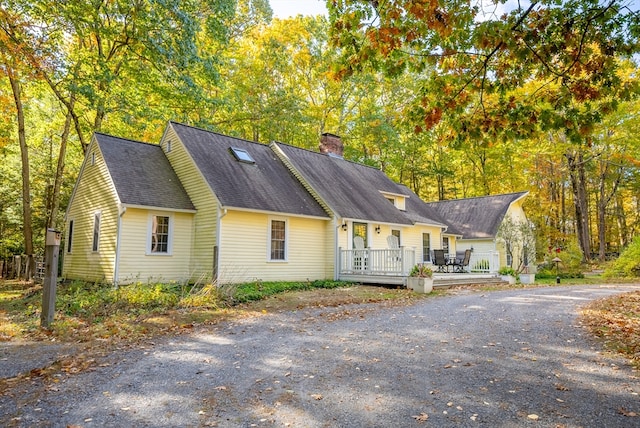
x,y
460,264
440,260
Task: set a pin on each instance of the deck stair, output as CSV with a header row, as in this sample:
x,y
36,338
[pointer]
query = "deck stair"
x,y
448,281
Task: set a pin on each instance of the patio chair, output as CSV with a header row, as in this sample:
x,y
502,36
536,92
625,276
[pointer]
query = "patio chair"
x,y
460,264
359,257
440,261
394,246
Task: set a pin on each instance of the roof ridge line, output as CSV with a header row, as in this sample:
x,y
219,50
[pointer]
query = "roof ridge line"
x,y
479,197
323,154
217,133
125,139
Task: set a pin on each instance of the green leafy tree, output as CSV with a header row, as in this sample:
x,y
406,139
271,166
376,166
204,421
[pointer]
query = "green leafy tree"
x,y
466,53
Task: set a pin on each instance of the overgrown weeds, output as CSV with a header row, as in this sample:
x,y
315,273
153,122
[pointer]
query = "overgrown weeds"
x,y
87,310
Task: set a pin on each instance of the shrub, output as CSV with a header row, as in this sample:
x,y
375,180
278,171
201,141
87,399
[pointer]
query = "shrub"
x,y
628,264
506,270
421,271
551,274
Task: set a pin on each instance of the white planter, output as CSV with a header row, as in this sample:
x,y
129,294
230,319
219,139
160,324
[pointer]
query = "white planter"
x,y
508,278
420,285
527,278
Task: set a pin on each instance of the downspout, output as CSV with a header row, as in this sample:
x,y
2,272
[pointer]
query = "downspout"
x,y
336,252
218,234
121,212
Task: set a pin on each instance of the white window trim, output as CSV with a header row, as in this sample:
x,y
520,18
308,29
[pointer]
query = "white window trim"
x,y
148,242
430,247
96,215
286,240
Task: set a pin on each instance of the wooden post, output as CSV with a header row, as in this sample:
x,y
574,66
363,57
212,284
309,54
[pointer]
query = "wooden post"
x,y
52,247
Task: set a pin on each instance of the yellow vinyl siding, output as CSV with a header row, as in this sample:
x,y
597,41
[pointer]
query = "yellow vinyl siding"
x,y
517,214
244,249
411,237
137,264
94,192
203,199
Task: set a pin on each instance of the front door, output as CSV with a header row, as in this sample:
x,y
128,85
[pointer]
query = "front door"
x,y
360,229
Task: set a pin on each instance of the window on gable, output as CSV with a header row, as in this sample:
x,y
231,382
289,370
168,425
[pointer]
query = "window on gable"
x,y
278,244
242,155
159,242
96,232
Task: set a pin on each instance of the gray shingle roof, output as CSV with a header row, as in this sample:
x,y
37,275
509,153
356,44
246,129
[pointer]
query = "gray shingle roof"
x,y
476,218
266,185
352,190
142,174
420,212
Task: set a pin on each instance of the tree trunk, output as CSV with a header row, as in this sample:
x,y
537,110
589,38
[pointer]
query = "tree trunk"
x,y
55,197
603,203
621,218
26,188
575,162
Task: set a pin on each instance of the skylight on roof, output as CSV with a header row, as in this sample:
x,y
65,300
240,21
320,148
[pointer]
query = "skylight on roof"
x,y
242,155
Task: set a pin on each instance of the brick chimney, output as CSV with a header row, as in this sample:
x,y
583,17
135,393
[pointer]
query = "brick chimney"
x,y
331,145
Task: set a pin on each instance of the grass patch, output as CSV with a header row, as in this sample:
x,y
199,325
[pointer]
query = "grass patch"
x,y
259,290
86,311
616,320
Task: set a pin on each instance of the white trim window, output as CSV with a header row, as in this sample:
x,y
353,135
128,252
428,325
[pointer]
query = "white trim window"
x,y
160,233
445,244
426,247
95,245
278,233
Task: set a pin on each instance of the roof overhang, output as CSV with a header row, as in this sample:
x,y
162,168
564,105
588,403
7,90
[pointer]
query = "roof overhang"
x,y
252,210
153,208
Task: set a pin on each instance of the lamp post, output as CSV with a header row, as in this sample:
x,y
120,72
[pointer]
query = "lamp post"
x,y
557,261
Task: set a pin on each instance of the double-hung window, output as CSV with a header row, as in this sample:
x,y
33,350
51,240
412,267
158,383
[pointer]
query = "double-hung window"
x,y
160,234
278,240
426,247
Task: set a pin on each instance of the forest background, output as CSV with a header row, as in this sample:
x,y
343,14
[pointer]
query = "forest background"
x,y
446,97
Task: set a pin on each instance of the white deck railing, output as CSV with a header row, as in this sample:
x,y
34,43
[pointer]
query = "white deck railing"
x,y
487,262
396,262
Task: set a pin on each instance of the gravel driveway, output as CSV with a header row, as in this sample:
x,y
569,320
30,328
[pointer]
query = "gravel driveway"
x,y
496,359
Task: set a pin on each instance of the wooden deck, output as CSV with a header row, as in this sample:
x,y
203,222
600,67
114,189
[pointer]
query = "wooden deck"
x,y
392,267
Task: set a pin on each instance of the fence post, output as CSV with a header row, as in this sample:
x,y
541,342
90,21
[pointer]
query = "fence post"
x,y
52,246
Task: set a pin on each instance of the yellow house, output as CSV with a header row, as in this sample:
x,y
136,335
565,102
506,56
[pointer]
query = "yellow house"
x,y
478,220
206,205
129,216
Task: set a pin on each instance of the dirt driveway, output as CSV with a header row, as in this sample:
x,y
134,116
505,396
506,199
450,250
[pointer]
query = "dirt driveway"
x,y
496,359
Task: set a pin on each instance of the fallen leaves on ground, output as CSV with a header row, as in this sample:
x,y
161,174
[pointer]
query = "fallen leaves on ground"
x,y
625,412
616,320
422,417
